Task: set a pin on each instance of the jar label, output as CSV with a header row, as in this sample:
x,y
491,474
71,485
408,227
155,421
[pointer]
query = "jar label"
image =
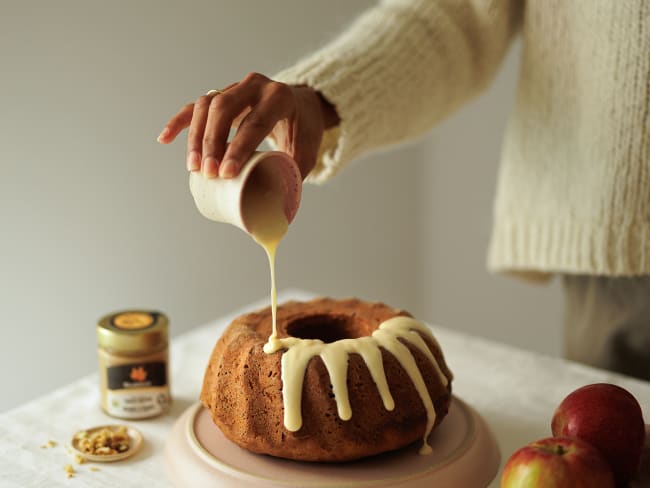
x,y
136,390
137,405
138,375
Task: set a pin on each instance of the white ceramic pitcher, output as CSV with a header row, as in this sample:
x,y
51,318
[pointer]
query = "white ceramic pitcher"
x,y
221,199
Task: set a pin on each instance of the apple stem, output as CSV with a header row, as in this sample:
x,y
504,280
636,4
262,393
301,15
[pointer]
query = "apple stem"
x,y
561,451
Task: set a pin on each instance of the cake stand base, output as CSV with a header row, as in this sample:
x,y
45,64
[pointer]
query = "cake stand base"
x,y
465,453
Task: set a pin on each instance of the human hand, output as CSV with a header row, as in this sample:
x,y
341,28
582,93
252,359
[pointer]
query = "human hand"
x,y
294,116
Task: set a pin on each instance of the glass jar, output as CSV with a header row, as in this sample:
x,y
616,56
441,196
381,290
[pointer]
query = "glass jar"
x,y
133,364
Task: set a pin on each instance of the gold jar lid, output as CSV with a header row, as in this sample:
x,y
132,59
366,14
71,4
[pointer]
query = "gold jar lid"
x,y
133,331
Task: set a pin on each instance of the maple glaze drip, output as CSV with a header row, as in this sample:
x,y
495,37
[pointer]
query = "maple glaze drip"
x,y
263,211
335,357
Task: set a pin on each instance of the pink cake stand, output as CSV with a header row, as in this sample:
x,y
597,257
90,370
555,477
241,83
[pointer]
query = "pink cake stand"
x,y
465,454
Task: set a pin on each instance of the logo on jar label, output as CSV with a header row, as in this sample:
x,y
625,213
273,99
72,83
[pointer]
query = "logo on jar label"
x,y
140,375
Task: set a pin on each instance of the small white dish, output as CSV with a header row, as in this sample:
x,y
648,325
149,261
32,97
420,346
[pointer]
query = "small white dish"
x,y
135,443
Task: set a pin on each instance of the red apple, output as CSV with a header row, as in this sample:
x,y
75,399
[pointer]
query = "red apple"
x,y
557,462
609,418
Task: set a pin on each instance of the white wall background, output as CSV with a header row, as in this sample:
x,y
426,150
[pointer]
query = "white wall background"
x,y
96,216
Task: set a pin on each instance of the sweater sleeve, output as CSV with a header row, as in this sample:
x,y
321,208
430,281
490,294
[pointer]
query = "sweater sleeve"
x,y
400,68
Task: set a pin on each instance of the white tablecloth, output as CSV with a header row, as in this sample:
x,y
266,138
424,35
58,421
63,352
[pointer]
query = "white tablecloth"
x,y
516,391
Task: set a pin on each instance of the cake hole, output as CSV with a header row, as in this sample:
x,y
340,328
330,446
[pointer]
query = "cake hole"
x,y
328,328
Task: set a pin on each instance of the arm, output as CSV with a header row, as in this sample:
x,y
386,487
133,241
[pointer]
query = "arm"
x,y
393,74
402,67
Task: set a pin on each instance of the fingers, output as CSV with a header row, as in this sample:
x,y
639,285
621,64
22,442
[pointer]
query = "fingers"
x,y
224,109
176,124
275,104
196,132
255,104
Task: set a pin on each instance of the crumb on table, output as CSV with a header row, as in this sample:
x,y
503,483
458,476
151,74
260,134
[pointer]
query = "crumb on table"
x,y
69,470
49,444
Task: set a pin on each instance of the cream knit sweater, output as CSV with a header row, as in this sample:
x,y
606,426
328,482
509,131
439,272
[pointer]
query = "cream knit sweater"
x,y
573,190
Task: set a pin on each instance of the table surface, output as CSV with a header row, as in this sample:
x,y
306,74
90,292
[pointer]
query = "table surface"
x,y
516,391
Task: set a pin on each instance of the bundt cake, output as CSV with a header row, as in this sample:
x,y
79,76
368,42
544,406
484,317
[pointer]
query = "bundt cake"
x,y
347,379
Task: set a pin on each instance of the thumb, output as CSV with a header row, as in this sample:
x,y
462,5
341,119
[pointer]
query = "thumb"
x,y
305,151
